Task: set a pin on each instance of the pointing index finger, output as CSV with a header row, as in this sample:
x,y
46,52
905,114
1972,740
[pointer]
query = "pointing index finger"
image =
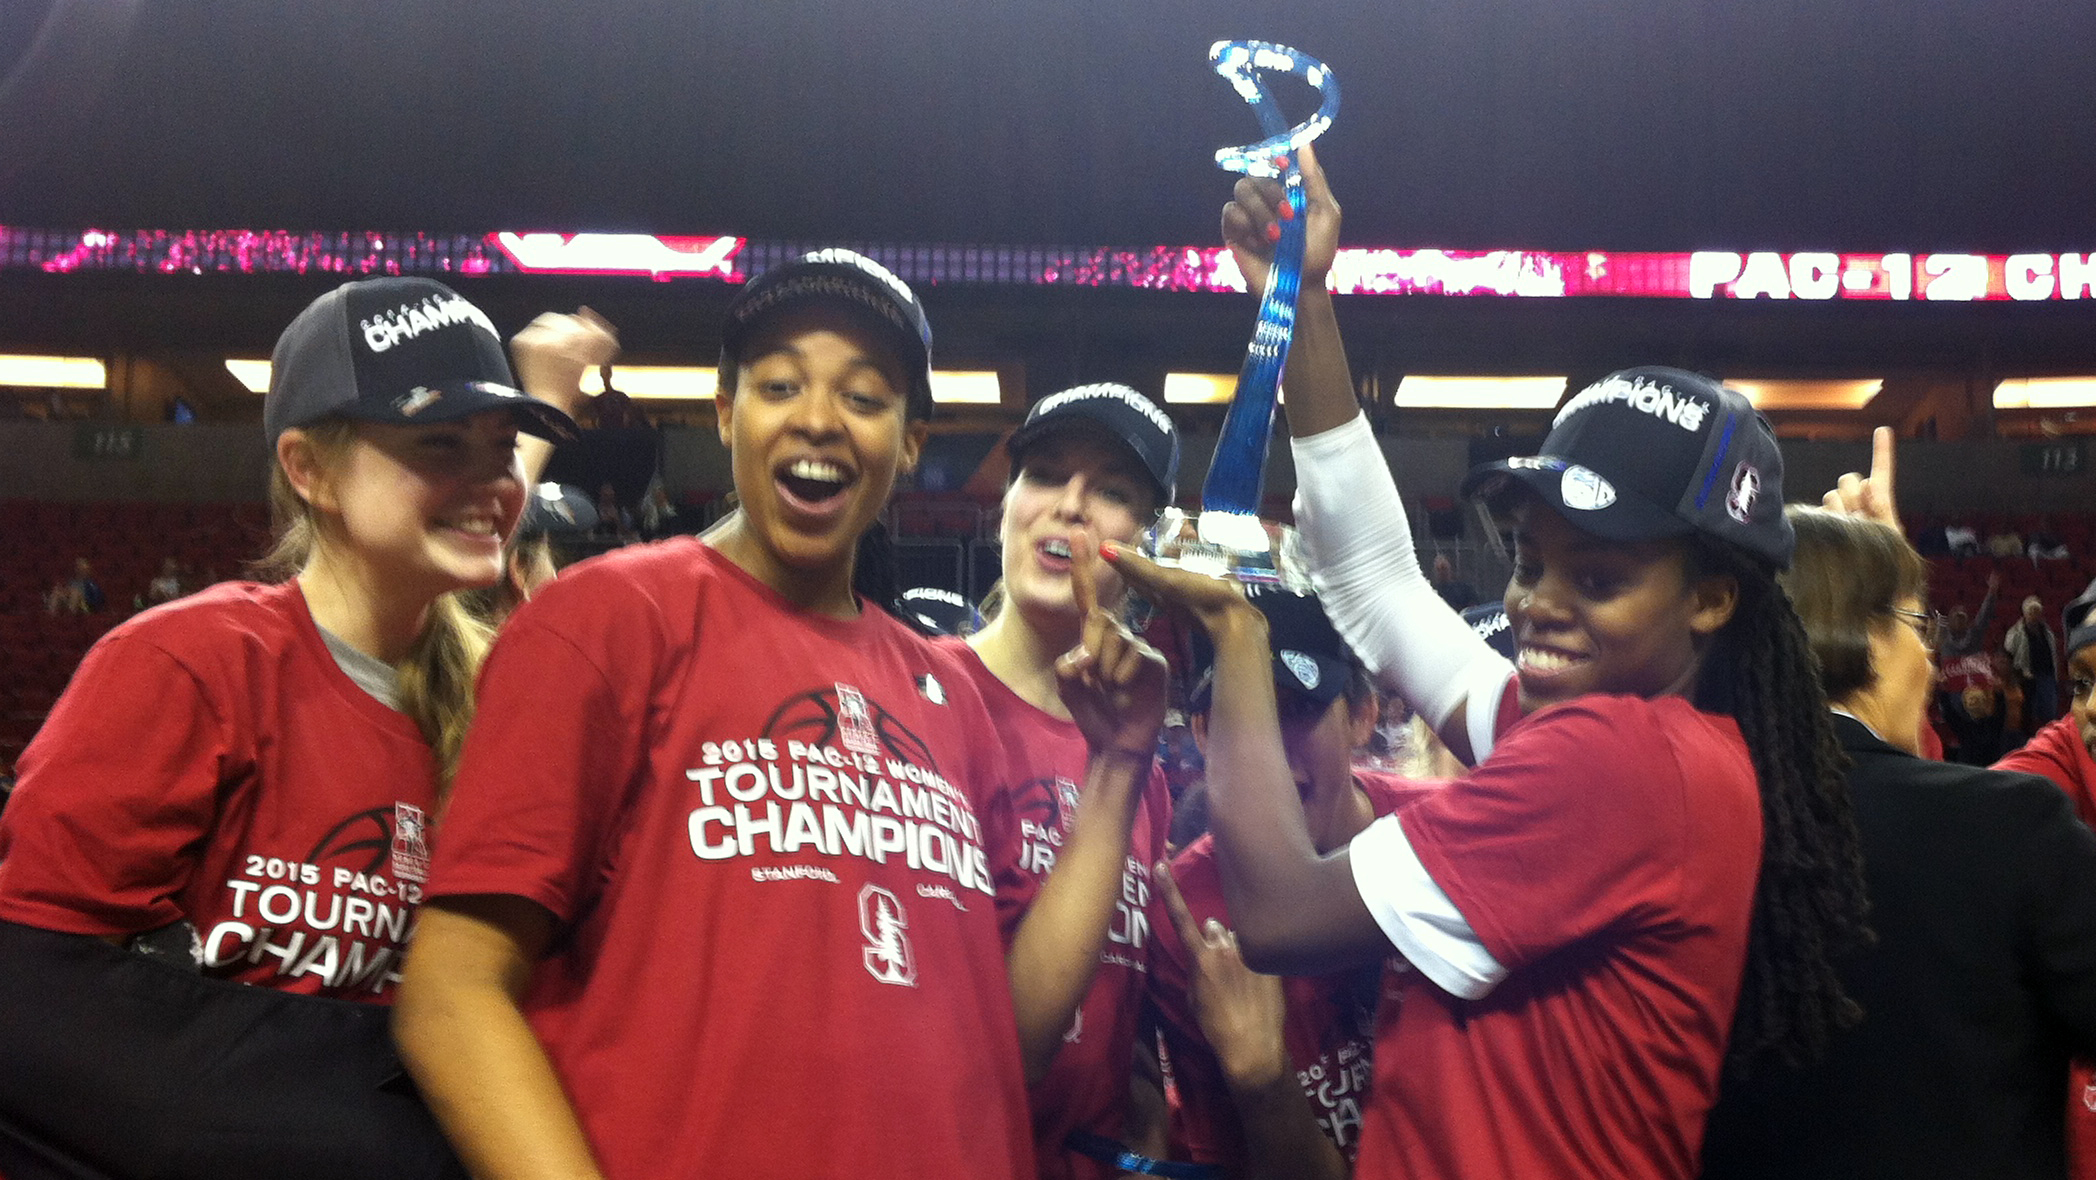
x,y
1883,446
1084,577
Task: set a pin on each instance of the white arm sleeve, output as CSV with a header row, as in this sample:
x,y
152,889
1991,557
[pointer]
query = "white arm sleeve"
x,y
1359,543
1416,914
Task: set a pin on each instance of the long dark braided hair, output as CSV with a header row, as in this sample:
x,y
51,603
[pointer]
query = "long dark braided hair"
x,y
1810,906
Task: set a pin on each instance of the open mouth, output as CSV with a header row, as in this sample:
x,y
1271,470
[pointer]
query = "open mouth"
x,y
814,485
1056,547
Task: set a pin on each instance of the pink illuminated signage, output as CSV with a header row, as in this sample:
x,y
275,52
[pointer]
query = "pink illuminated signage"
x,y
1709,274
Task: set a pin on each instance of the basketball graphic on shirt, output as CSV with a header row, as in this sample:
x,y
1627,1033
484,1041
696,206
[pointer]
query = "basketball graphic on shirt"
x,y
362,843
1048,803
827,717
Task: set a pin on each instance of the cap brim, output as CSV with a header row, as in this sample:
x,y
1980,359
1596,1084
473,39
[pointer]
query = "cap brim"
x,y
1031,433
2080,612
449,401
1623,517
571,514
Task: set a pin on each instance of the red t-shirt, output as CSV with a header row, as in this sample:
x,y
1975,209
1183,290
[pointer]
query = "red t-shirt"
x,y
2057,752
758,830
1606,855
1329,1027
211,762
1041,772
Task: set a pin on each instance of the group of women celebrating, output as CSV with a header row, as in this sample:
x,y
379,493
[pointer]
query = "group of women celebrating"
x,y
713,867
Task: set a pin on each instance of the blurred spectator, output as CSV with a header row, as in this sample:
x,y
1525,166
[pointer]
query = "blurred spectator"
x,y
658,517
1962,539
2046,543
613,409
1459,595
613,519
1963,634
2013,728
77,595
2007,543
166,585
2034,655
1974,718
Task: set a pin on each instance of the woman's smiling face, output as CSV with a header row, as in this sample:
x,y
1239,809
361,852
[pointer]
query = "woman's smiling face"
x,y
817,433
1592,615
1067,482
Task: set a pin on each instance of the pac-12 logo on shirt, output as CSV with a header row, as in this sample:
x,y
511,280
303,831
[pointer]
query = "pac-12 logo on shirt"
x,y
887,955
410,843
855,721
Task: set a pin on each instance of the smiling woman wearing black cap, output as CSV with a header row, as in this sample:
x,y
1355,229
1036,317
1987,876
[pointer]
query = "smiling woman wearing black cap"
x,y
723,904
1090,463
245,779
1577,911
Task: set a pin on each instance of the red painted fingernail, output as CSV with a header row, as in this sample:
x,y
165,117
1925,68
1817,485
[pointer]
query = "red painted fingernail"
x,y
1273,232
1108,552
1287,211
1281,162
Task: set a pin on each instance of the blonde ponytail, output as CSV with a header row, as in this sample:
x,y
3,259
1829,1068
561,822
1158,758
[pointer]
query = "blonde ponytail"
x,y
437,678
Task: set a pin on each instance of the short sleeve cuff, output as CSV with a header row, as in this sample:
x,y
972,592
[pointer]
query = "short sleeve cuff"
x,y
1417,916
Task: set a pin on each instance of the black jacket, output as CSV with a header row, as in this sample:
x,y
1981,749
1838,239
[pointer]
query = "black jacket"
x,y
1982,982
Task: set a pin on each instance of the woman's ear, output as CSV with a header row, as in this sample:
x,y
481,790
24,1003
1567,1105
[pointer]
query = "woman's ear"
x,y
913,436
724,412
1362,720
299,456
1715,597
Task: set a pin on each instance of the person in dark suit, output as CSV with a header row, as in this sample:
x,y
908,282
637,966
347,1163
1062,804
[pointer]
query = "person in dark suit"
x,y
1982,980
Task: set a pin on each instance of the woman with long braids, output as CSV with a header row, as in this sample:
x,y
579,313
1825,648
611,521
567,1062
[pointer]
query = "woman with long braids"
x,y
1655,835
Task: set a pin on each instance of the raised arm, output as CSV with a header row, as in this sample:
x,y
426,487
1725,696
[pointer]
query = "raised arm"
x,y
1353,522
1114,685
1297,912
550,356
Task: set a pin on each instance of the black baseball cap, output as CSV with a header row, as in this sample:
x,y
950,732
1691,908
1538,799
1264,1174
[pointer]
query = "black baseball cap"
x,y
847,279
2080,619
557,510
935,610
1490,623
406,351
1310,659
1653,452
1116,413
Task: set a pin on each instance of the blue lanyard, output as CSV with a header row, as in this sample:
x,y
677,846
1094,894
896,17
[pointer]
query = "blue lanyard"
x,y
1108,1151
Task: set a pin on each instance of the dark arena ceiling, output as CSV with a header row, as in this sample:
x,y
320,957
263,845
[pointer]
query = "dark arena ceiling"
x,y
1545,124
1568,125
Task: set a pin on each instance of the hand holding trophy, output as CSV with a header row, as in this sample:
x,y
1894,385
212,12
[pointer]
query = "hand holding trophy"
x,y
1227,538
